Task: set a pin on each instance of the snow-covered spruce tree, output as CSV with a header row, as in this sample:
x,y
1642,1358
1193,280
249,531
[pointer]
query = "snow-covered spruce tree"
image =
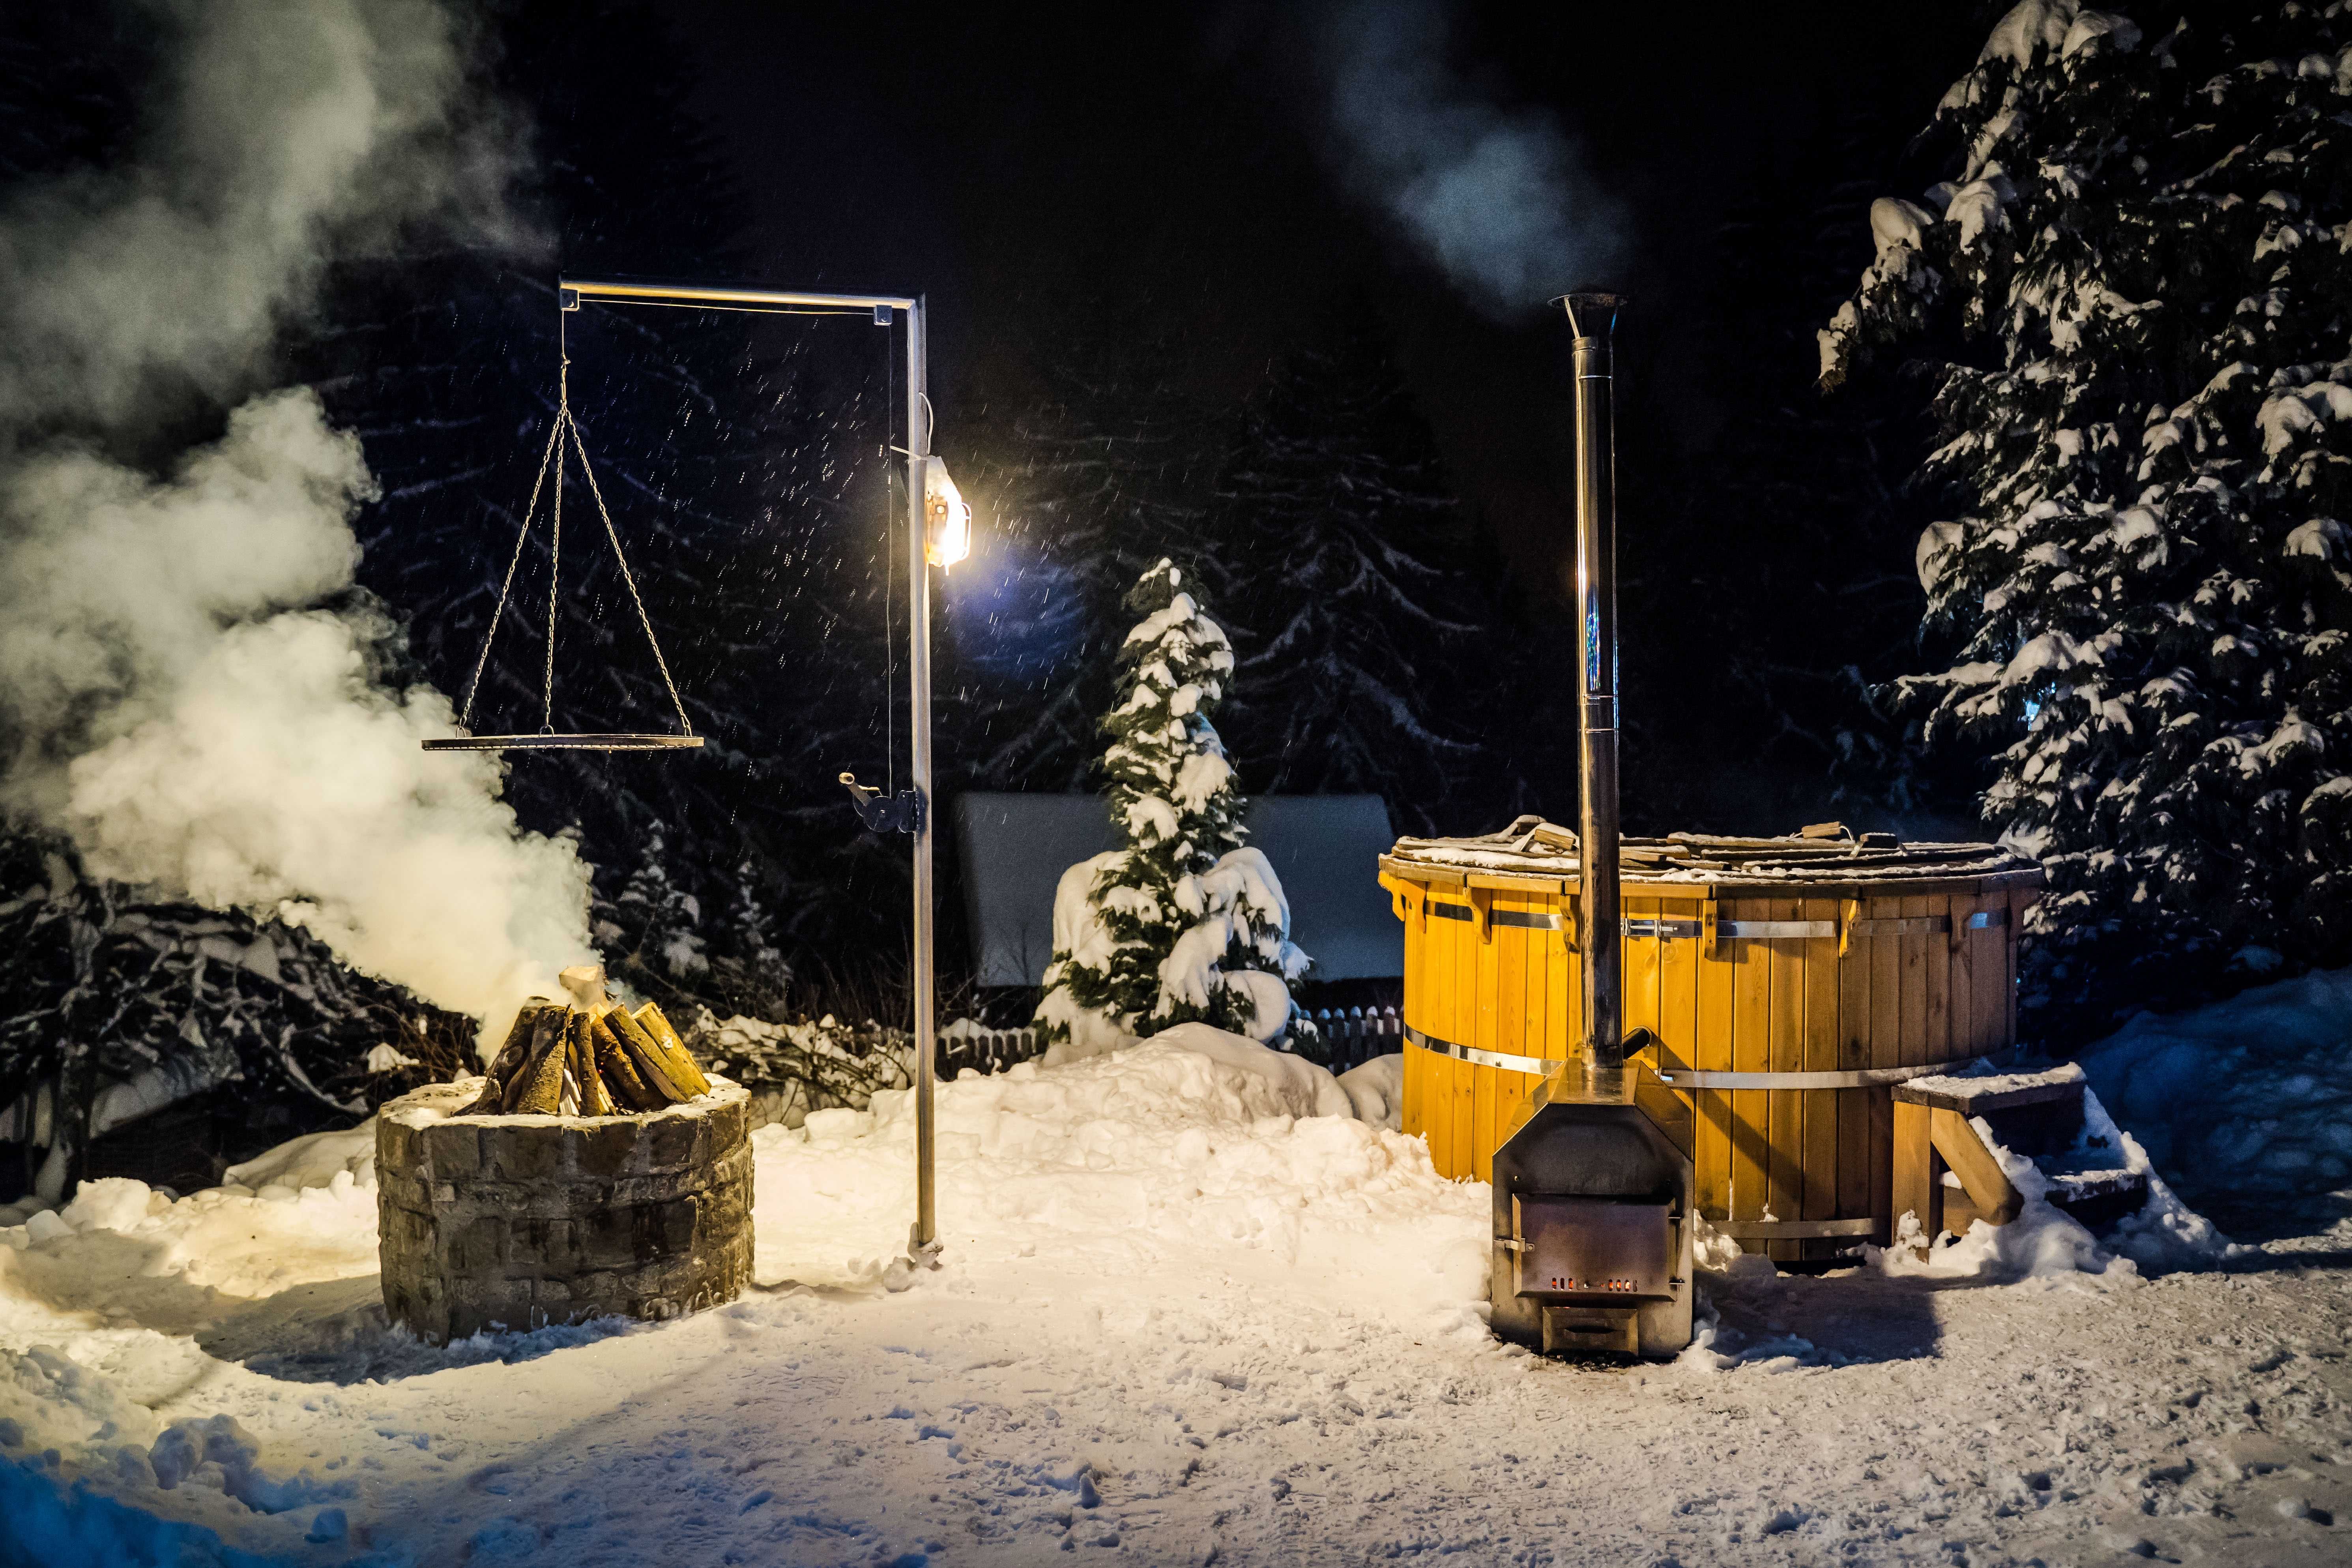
x,y
2150,591
1184,923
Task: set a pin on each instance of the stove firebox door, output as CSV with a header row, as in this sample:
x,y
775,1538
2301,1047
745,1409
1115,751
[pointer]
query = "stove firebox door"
x,y
1594,1248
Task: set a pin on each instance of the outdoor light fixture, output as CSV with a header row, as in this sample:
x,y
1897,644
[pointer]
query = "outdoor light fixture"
x,y
947,516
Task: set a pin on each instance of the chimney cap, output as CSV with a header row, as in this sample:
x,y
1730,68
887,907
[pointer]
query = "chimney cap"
x,y
1592,312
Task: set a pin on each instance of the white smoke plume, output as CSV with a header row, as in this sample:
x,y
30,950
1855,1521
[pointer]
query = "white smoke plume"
x,y
186,687
1497,197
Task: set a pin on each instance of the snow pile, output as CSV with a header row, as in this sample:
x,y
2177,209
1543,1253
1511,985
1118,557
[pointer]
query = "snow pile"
x,y
1194,1141
1377,1089
2245,1104
315,1160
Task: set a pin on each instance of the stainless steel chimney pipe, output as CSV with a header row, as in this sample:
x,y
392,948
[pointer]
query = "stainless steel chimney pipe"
x,y
1592,317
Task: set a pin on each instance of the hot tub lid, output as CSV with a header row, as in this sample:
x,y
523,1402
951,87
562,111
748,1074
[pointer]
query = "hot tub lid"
x,y
1818,857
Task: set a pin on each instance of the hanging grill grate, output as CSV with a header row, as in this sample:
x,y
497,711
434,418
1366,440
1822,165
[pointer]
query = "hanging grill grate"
x,y
547,739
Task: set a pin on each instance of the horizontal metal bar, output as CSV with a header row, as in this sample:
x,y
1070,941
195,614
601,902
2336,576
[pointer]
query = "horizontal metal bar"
x,y
720,295
1862,1077
1768,931
1451,912
1791,1230
1909,925
543,741
1532,920
1472,1054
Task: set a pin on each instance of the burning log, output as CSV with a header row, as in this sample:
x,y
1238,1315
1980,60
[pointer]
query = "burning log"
x,y
589,1057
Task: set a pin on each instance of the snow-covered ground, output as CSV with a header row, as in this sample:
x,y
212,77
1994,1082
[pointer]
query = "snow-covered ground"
x,y
1181,1320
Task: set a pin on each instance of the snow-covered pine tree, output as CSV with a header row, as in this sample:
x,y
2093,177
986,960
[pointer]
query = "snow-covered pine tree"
x,y
1345,565
107,985
2150,591
1184,923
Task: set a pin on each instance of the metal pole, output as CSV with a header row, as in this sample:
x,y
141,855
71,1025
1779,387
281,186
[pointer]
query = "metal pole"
x,y
924,1238
1593,318
918,686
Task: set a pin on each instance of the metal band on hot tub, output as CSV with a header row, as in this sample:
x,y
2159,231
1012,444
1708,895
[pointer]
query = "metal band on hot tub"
x,y
1533,920
1862,1077
1483,1059
1693,1077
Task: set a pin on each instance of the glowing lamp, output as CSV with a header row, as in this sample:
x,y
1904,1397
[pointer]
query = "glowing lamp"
x,y
947,516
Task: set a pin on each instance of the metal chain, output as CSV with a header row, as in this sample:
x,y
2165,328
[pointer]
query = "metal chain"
x,y
554,455
555,548
522,536
629,577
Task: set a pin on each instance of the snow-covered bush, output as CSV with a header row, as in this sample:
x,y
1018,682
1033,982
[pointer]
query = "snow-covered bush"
x,y
2148,596
656,943
1184,923
806,1066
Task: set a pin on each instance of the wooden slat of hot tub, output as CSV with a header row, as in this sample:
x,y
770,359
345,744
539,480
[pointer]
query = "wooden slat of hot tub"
x,y
1853,1054
1959,990
1784,1123
1820,1054
1678,965
1751,1024
1923,991
1468,1005
1545,1028
1713,1045
1887,1009
1988,959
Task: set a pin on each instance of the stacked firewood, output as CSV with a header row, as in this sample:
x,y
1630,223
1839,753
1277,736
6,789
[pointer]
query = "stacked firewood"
x,y
589,1056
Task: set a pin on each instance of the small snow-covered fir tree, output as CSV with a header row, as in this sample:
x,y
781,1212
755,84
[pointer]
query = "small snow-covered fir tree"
x,y
2150,590
1184,923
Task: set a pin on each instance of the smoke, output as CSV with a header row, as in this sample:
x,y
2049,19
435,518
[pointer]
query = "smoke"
x,y
190,686
1497,197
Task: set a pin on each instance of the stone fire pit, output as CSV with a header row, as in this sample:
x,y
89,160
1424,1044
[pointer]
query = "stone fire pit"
x,y
518,1221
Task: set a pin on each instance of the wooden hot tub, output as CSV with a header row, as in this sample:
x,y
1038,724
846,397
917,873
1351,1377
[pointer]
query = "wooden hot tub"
x,y
1792,982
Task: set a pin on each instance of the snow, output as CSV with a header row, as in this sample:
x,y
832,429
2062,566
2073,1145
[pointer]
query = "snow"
x,y
2322,538
1939,543
2249,1102
1184,1319
2295,411
1895,224
1376,1089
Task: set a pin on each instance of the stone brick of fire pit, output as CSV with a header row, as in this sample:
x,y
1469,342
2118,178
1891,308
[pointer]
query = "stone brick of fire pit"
x,y
518,1221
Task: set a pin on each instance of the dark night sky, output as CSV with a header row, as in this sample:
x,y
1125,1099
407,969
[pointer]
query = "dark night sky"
x,y
1015,163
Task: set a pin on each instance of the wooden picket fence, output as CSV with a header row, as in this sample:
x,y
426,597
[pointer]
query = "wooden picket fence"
x,y
1354,1035
1351,1036
991,1052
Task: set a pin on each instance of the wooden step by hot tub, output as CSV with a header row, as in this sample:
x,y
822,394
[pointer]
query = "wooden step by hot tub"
x,y
1792,982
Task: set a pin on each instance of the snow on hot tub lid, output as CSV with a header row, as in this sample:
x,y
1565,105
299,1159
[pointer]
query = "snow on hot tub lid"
x,y
1531,847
